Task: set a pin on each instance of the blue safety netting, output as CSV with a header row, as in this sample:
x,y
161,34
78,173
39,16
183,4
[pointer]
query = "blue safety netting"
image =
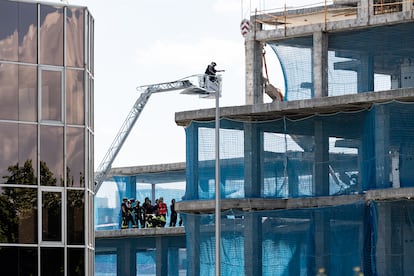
x,y
145,260
373,237
337,154
359,60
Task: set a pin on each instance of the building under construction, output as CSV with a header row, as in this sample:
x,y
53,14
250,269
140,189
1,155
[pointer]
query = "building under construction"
x,y
322,180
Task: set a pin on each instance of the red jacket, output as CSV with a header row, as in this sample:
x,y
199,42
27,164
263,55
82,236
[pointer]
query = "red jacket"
x,y
162,208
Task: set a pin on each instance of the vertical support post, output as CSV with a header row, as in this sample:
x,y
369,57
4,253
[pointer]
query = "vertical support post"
x,y
395,167
382,147
124,259
162,256
132,186
321,169
153,193
253,148
365,73
191,190
192,225
254,67
253,244
218,192
320,64
173,261
322,240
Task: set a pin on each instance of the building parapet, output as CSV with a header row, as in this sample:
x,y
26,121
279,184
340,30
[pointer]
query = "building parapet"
x,y
259,204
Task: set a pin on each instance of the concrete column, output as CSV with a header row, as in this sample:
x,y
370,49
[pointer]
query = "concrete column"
x,y
320,64
382,146
293,187
364,10
253,160
365,73
321,167
322,240
131,187
162,256
173,261
153,193
126,261
406,6
252,244
192,163
192,228
254,67
385,238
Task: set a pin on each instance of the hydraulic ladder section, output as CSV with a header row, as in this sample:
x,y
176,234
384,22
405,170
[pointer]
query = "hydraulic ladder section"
x,y
147,91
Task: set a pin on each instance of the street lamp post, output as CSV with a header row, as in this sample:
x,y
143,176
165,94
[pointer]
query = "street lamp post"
x,y
205,90
218,189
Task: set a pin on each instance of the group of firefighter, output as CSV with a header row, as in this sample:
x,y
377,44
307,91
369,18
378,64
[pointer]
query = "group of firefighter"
x,y
147,215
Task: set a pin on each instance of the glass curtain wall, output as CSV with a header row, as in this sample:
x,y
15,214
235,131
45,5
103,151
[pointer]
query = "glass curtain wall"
x,y
46,138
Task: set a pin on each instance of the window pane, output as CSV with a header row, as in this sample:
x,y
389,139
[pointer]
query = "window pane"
x,y
75,97
18,261
75,37
76,261
28,153
8,30
27,32
76,210
27,93
52,260
51,35
8,91
51,216
51,95
51,156
8,151
18,215
18,148
75,150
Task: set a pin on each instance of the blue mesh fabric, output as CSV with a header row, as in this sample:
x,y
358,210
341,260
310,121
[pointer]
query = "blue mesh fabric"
x,y
340,239
277,159
358,61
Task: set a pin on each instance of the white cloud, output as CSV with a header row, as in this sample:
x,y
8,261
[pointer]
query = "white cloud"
x,y
191,55
222,6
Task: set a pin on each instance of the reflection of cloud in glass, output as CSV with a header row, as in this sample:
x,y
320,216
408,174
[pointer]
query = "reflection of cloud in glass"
x,y
18,92
8,91
74,37
74,97
27,93
51,95
51,35
8,46
18,32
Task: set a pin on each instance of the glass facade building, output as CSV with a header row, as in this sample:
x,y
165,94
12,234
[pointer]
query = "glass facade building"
x,y
46,139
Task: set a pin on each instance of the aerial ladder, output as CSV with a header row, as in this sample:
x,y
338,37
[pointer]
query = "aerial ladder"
x,y
196,84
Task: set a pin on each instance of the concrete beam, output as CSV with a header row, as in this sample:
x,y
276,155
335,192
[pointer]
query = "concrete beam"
x,y
253,204
139,232
299,108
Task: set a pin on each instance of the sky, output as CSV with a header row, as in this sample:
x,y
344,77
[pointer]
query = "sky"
x,y
141,42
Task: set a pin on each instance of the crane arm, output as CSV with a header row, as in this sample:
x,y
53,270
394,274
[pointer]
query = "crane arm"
x,y
106,163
